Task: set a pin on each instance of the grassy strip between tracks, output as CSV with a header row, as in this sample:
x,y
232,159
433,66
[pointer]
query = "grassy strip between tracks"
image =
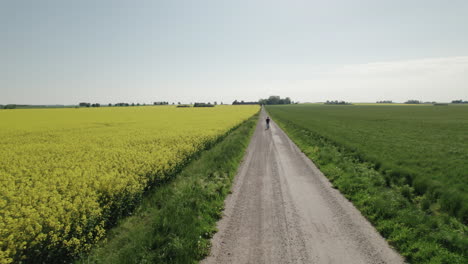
x,y
420,237
175,222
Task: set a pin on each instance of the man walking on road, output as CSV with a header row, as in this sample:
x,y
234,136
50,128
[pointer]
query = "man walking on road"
x,y
268,122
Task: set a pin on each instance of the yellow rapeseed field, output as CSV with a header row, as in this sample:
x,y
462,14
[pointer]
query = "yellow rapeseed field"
x,y
66,173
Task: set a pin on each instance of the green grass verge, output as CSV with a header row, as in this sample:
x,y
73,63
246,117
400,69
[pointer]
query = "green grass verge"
x,y
421,237
176,220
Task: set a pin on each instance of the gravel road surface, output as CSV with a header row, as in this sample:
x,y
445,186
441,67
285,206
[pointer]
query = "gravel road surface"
x,y
283,210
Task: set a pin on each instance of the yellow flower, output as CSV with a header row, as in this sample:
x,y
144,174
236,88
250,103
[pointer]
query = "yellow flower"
x,y
63,172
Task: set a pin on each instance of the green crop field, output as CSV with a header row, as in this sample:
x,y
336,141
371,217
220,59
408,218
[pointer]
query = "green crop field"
x,y
420,153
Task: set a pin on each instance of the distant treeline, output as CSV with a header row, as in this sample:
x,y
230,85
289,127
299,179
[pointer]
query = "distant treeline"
x,y
424,102
244,103
336,102
419,102
413,102
83,104
275,100
204,104
272,100
20,106
9,106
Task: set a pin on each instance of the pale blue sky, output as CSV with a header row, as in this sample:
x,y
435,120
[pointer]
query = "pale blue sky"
x,y
65,52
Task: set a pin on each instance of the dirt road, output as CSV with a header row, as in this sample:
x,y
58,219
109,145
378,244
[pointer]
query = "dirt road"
x,y
283,210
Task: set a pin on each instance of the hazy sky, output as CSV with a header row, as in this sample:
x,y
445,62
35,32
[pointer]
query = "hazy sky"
x,y
65,52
